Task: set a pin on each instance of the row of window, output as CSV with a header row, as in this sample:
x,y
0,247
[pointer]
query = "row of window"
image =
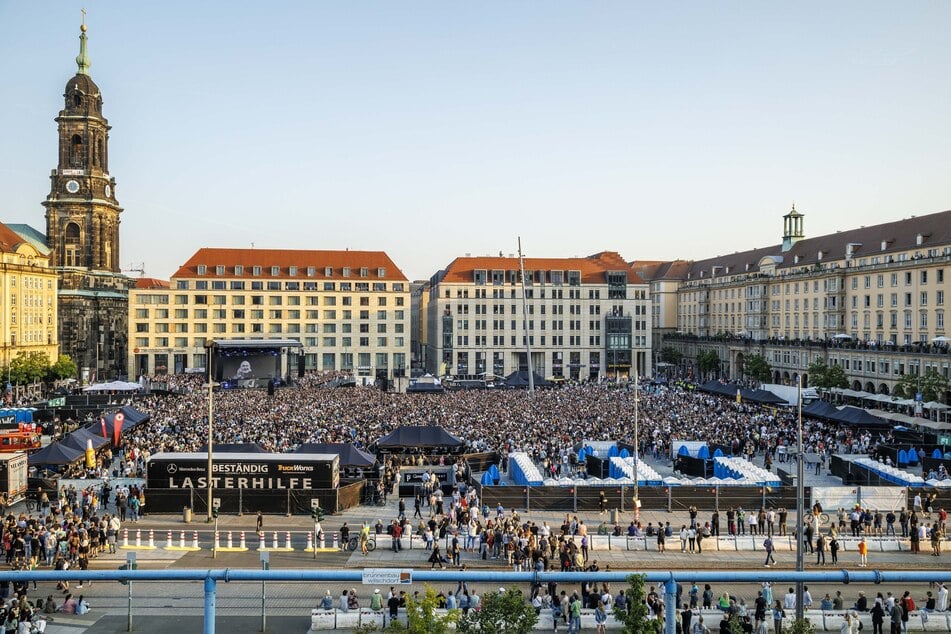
x,y
259,313
323,342
261,300
293,271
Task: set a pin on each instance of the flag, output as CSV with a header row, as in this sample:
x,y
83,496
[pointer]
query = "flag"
x,y
117,428
102,419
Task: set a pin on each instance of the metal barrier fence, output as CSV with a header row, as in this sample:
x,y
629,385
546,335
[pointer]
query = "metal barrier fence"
x,y
668,578
587,498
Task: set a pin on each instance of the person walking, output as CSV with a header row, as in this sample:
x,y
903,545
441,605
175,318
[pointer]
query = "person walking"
x,y
778,614
820,549
436,557
834,550
768,545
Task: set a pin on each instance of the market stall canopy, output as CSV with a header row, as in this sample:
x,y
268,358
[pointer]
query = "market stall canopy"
x,y
55,454
78,438
428,436
350,456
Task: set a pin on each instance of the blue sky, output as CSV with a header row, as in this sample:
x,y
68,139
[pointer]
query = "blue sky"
x,y
434,129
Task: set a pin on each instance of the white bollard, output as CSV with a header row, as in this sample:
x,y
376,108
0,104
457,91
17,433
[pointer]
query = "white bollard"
x,y
230,543
287,541
323,539
336,544
243,546
125,537
169,546
138,538
274,540
151,538
217,541
261,541
181,540
195,540
310,540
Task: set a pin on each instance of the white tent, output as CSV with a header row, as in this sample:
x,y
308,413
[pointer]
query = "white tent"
x,y
113,386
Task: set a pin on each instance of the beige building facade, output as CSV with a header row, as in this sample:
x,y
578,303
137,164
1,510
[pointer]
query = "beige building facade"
x,y
350,310
872,300
584,318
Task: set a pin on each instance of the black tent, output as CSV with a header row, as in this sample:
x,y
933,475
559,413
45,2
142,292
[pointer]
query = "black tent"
x,y
234,447
766,397
78,438
133,417
350,456
519,378
820,409
857,417
55,454
425,437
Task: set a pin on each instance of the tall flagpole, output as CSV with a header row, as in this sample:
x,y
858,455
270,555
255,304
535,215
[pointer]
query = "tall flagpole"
x,y
528,346
800,513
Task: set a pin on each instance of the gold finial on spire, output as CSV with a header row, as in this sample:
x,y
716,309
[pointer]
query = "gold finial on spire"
x,y
82,27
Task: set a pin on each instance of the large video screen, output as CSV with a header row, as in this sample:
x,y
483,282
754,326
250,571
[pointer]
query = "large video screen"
x,y
252,370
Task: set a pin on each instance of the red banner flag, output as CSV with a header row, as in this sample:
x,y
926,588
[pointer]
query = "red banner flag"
x,y
117,428
102,419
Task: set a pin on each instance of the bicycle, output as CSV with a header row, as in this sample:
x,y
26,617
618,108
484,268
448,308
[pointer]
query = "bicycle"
x,y
820,518
353,544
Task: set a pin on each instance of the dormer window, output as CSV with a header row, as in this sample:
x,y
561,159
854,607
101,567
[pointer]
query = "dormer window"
x,y
202,269
311,271
275,270
795,259
919,240
220,269
238,269
381,272
256,270
364,271
292,271
346,271
328,271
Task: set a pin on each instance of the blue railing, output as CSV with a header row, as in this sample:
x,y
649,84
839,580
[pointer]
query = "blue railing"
x,y
211,577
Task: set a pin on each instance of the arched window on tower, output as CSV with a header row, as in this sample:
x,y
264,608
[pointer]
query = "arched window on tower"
x,y
97,160
71,245
77,99
76,158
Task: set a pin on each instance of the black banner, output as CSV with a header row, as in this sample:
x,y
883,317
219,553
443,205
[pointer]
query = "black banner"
x,y
262,472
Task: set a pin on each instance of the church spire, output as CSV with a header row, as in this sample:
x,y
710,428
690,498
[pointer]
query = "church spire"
x,y
82,60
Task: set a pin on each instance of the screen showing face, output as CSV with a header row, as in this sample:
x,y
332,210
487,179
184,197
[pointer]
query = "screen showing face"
x,y
258,367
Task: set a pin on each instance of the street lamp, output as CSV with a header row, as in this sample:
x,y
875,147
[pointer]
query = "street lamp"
x,y
211,418
800,511
637,447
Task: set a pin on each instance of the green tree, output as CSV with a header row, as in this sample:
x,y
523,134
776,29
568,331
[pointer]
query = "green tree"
x,y
421,618
64,368
28,367
634,619
822,375
932,385
758,367
670,355
501,613
708,361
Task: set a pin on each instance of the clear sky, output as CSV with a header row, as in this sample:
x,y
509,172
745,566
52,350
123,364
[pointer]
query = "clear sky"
x,y
430,130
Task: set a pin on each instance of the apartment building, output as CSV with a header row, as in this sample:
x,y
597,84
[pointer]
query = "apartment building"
x,y
350,310
871,300
582,318
28,302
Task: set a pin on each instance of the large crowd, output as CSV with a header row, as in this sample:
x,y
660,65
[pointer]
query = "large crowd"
x,y
548,426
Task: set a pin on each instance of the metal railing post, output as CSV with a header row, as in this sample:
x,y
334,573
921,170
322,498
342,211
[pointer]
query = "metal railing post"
x,y
210,585
129,623
671,607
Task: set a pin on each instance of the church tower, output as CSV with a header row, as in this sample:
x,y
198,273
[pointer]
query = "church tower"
x,y
82,232
82,213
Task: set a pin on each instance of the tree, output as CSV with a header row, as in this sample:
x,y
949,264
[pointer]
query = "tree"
x,y
634,619
932,386
421,618
822,375
671,355
28,367
64,368
758,367
501,613
708,361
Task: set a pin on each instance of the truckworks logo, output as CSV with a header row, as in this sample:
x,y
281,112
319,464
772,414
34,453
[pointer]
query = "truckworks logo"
x,y
294,468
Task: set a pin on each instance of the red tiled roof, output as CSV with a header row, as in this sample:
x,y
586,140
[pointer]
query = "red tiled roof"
x,y
592,268
150,283
9,239
285,258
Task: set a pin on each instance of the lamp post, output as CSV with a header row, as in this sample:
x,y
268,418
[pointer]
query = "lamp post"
x,y
211,418
637,446
800,511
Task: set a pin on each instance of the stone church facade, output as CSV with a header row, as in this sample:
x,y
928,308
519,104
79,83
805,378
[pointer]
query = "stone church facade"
x,y
82,232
